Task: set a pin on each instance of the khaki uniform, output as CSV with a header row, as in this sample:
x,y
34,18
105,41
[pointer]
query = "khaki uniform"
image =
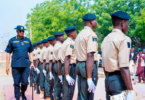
x,y
115,55
37,76
85,42
67,49
43,56
49,83
57,84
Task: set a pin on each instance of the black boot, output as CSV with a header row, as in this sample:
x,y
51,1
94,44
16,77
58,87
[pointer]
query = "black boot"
x,y
17,98
23,89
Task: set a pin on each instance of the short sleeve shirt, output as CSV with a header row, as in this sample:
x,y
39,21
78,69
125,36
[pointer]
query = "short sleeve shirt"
x,y
68,49
19,49
115,51
38,53
50,53
43,55
85,42
56,50
34,55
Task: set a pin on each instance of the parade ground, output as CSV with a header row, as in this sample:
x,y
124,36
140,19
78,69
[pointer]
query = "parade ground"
x,y
6,88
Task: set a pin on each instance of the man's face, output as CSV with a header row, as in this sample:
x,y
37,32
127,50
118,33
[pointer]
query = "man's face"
x,y
62,38
94,24
74,34
41,46
124,26
132,49
20,33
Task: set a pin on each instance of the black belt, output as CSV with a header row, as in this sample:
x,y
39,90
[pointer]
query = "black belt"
x,y
74,65
114,73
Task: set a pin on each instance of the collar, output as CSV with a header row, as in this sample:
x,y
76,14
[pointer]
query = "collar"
x,y
118,31
69,38
18,38
87,27
58,42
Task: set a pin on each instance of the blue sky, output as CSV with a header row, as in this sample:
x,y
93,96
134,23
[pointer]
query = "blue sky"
x,y
13,13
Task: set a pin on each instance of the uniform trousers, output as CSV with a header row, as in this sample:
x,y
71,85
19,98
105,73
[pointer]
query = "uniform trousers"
x,y
41,77
20,75
67,89
57,84
37,79
114,84
48,83
81,71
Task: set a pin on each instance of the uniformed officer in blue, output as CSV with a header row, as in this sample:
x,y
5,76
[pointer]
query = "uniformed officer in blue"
x,y
21,48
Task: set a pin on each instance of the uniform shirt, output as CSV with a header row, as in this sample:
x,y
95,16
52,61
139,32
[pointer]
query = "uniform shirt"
x,y
57,50
96,56
50,53
67,49
43,55
85,42
38,53
19,49
115,51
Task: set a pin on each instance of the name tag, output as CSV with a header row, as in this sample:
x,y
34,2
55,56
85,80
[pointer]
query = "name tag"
x,y
26,42
15,41
72,46
94,38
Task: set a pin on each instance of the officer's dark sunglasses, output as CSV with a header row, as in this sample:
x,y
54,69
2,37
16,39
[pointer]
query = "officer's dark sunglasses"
x,y
21,31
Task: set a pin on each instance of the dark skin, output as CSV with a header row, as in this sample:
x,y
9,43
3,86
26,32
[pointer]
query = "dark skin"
x,y
59,64
51,62
125,73
67,59
20,33
90,56
37,61
44,61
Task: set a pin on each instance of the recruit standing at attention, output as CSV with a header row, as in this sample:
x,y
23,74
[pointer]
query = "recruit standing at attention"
x,y
19,46
68,59
57,66
115,54
43,60
38,66
49,82
86,46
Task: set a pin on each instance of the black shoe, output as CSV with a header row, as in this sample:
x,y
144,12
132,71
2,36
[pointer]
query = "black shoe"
x,y
17,98
23,96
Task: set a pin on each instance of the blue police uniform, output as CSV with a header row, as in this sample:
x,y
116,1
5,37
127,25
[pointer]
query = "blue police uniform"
x,y
20,62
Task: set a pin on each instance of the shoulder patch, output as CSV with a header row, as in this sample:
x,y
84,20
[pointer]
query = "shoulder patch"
x,y
128,44
72,46
15,41
51,53
38,52
33,54
94,38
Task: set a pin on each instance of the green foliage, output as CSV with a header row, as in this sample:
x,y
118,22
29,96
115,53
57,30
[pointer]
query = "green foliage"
x,y
55,15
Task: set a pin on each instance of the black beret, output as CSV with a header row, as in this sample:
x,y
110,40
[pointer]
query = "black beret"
x,y
121,14
19,27
70,29
58,33
51,38
45,41
89,17
38,43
